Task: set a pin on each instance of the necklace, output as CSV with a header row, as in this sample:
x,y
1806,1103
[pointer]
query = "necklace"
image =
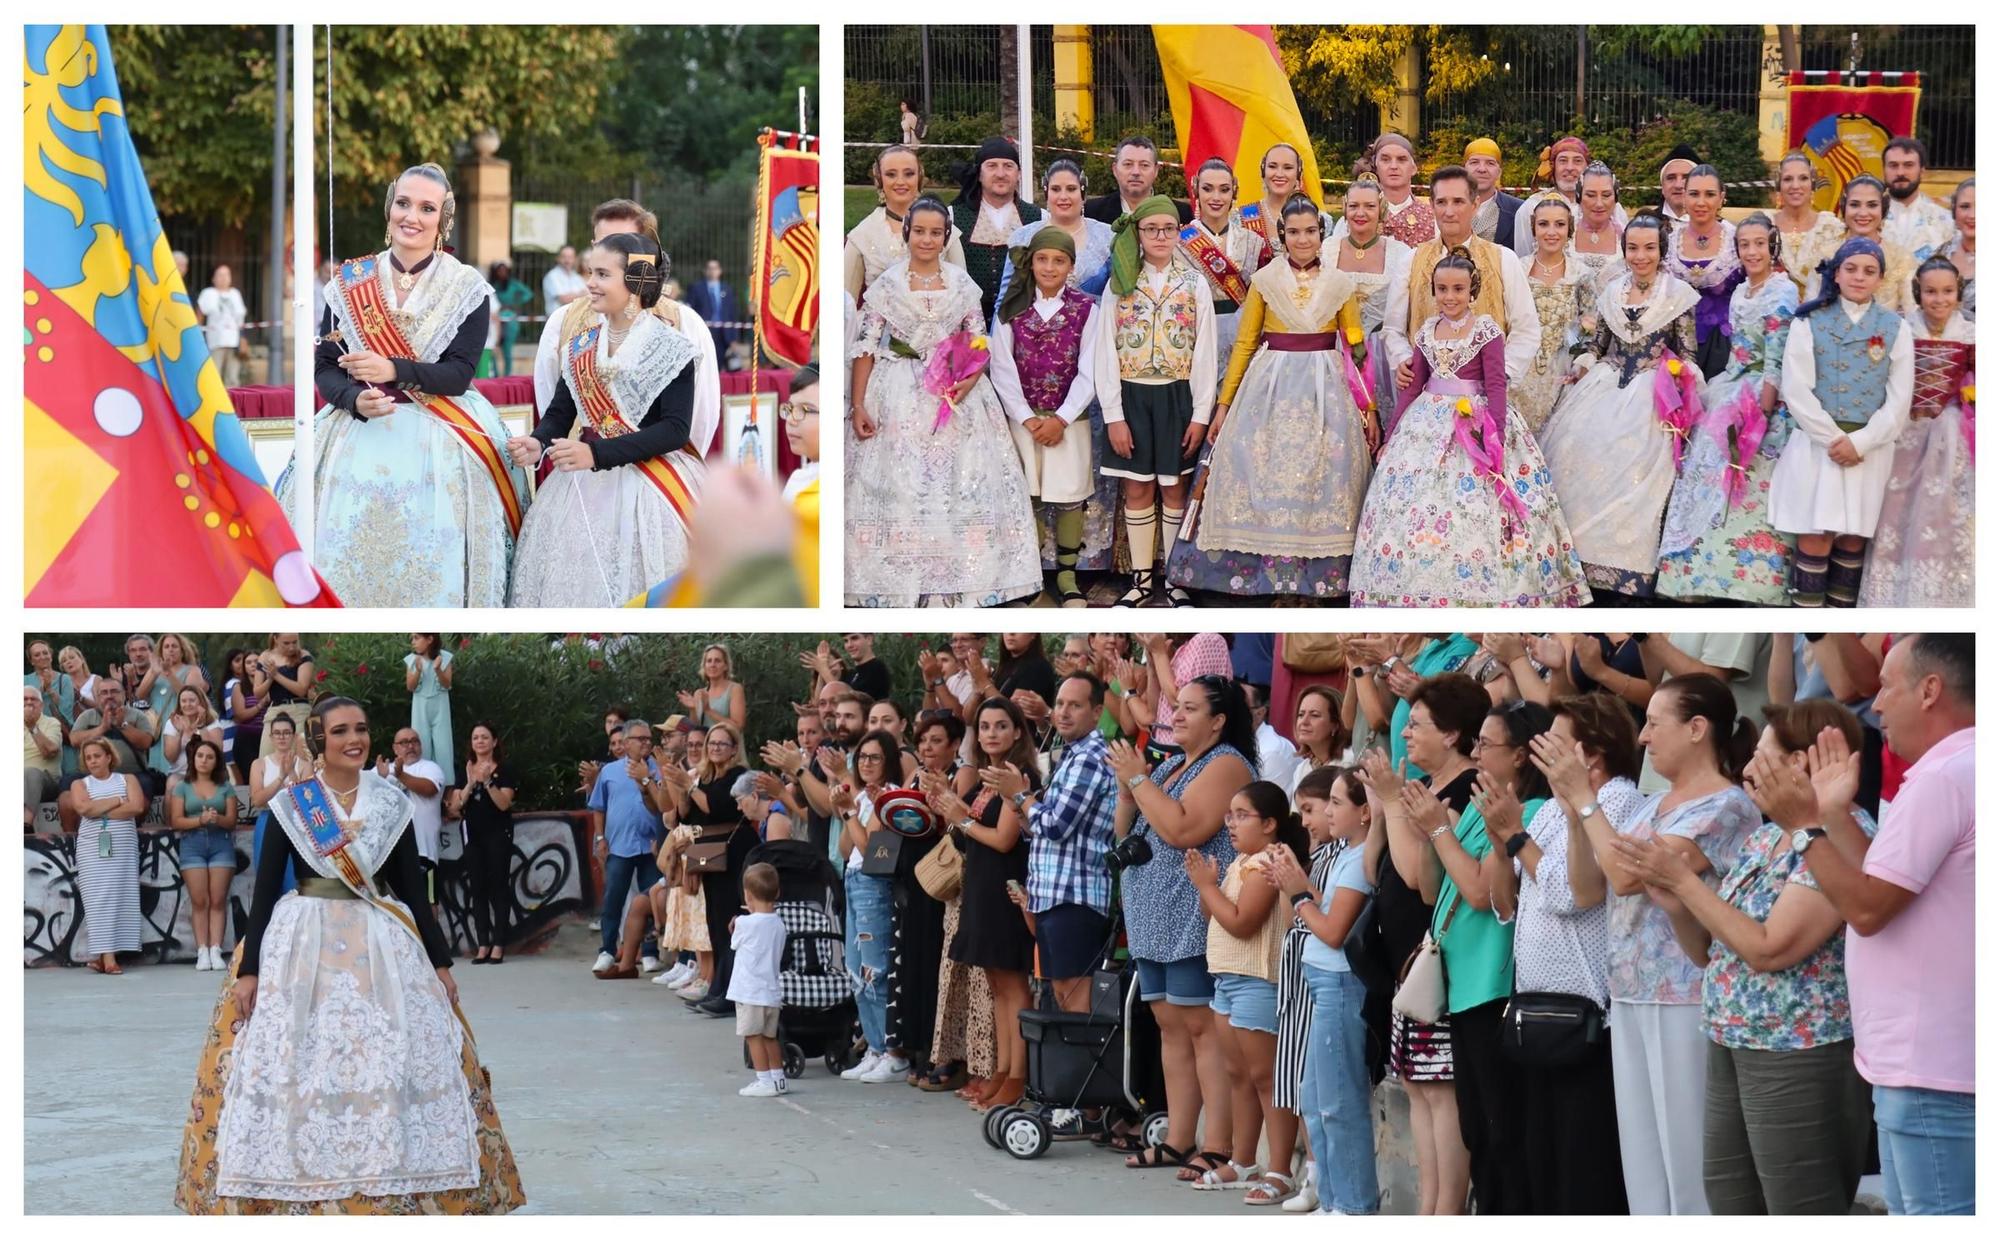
x,y
1543,269
1362,247
1458,324
933,279
406,278
346,798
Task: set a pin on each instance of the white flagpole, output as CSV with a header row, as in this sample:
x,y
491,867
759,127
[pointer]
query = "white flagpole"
x,y
1024,81
303,275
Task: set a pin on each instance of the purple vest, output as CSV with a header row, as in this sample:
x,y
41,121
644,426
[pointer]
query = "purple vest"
x,y
1046,353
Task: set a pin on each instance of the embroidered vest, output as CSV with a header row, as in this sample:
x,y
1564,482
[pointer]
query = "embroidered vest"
x,y
1850,385
1046,353
1491,300
1156,337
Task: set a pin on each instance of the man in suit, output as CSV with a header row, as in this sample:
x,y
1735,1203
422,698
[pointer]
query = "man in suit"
x,y
1493,208
1135,165
716,303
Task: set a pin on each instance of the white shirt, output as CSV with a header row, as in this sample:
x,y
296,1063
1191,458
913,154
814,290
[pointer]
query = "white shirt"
x,y
1920,225
556,283
759,942
1006,375
428,818
222,315
1277,759
1801,373
1201,379
1559,947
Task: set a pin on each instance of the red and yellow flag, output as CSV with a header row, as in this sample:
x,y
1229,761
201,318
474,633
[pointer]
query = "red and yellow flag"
x,y
785,276
141,487
1232,98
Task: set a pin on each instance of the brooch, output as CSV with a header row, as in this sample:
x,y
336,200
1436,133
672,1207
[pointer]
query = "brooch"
x,y
1876,349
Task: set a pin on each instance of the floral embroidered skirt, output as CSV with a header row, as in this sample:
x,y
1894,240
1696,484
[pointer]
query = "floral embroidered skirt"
x,y
1712,549
1923,552
1613,467
498,1190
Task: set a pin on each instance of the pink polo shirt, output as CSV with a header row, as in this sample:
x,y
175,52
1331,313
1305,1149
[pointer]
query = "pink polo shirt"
x,y
1912,984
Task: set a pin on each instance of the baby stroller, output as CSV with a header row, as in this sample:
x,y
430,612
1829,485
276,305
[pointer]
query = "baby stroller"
x,y
817,1016
1105,1058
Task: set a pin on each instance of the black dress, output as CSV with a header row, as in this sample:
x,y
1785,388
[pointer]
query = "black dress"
x,y
991,931
489,861
722,892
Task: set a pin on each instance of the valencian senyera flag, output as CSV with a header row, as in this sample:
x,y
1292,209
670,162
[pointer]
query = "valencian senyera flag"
x,y
141,486
1232,99
785,279
1842,120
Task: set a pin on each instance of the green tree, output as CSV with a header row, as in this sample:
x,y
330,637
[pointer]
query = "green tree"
x,y
691,99
199,102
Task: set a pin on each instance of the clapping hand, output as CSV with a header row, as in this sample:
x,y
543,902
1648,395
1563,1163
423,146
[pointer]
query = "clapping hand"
x,y
1498,805
1005,779
1201,868
784,756
1590,655
1401,681
1421,808
1385,780
1783,791
636,769
1564,765
833,763
1549,650
1127,762
1835,771
1132,675
1282,870
1656,862
689,699
1506,647
928,666
769,787
677,777
1031,704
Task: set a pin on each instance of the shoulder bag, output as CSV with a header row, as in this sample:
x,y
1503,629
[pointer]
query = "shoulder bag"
x,y
880,853
941,873
1552,1029
1314,653
709,854
1421,992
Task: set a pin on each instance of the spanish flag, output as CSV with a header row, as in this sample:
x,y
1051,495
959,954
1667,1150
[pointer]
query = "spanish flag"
x,y
1232,98
141,487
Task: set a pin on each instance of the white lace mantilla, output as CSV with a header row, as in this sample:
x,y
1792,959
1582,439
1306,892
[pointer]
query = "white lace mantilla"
x,y
652,356
1669,298
347,1078
1446,356
919,320
382,812
446,291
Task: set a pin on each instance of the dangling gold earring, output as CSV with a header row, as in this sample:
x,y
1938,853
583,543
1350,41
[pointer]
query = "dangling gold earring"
x,y
388,239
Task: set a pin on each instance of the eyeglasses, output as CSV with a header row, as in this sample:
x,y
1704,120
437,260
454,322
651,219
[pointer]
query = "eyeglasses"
x,y
1481,743
1157,231
401,742
797,413
722,743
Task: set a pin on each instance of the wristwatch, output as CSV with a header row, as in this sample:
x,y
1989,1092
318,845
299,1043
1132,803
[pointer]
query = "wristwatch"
x,y
1516,842
1803,838
1134,782
1586,811
1019,798
1300,897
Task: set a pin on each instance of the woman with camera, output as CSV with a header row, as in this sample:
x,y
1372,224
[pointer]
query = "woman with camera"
x,y
1180,806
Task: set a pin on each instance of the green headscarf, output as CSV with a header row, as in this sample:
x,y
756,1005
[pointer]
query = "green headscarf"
x,y
1021,290
1125,241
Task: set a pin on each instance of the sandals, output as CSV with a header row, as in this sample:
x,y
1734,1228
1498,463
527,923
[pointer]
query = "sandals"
x,y
1141,591
1120,1140
1177,596
1206,1164
1156,1156
1273,1189
1241,1177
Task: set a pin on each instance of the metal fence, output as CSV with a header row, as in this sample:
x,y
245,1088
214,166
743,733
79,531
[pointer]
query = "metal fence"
x,y
956,71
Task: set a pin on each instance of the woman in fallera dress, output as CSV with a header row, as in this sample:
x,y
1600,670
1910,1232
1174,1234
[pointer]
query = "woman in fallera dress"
x,y
1379,266
1612,457
1283,174
612,519
1565,302
416,503
1224,250
339,1076
1702,252
937,507
1461,511
1962,249
1923,552
1289,448
1718,542
1600,230
877,241
1807,236
1863,206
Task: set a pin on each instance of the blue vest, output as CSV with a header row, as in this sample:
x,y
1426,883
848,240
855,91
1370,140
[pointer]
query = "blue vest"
x,y
1850,386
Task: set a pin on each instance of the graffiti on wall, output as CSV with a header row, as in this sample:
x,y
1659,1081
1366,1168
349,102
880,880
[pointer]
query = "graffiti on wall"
x,y
551,880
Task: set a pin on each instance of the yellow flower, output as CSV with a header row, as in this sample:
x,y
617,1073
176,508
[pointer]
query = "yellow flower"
x,y
1464,406
981,343
1353,336
1674,367
1965,394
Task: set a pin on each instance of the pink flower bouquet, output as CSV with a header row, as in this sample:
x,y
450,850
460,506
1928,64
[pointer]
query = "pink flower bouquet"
x,y
1676,401
956,358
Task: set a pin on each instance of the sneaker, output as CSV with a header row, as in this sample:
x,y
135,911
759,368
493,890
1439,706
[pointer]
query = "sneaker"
x,y
604,961
1305,1201
666,979
884,1071
681,972
759,1088
694,992
649,964
784,1086
201,964
867,1065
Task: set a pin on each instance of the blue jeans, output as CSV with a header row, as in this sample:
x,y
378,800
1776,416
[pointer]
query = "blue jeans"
x,y
870,925
1927,1152
1333,1100
618,874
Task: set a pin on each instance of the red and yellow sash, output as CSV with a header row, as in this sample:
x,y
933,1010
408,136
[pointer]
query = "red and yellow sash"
x,y
597,405
1252,218
378,330
1228,277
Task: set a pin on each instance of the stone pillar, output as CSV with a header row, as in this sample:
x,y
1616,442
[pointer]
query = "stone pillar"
x,y
1076,104
1405,115
485,190
1771,100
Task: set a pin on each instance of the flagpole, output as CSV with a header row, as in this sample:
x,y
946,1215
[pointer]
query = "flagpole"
x,y
276,311
305,488
1024,79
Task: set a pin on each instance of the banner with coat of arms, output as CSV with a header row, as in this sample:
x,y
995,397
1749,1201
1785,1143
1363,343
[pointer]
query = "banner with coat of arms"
x,y
1842,120
785,272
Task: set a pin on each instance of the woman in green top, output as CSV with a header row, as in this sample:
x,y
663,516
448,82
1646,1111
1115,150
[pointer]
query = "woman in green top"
x,y
1478,948
514,298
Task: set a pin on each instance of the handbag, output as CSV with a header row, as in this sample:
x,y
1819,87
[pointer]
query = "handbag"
x,y
1420,995
881,852
710,853
1314,652
942,871
1549,1029
1367,954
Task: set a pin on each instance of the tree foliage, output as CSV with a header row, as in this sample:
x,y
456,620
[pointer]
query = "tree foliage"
x,y
199,101
409,94
690,99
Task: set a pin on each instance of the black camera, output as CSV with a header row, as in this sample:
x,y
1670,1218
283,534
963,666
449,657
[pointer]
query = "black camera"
x,y
1128,852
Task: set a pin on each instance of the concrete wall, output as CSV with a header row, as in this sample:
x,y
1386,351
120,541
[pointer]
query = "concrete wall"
x,y
554,878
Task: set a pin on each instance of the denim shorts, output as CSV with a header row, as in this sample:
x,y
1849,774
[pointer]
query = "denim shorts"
x,y
1183,983
207,848
1249,1002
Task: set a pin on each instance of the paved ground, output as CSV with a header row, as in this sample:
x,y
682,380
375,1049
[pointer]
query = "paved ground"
x,y
615,1099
